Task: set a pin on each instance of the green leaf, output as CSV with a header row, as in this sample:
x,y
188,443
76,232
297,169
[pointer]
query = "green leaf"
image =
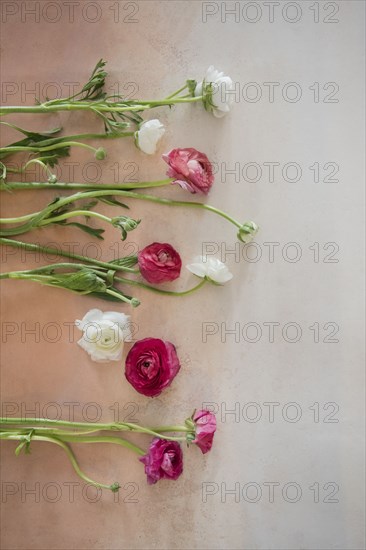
x,y
90,230
20,447
111,201
127,261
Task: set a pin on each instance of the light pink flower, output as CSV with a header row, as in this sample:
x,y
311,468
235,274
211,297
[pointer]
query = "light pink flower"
x,y
192,169
205,429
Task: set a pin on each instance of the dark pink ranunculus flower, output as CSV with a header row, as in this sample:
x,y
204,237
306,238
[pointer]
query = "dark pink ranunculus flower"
x,y
163,461
151,365
192,169
205,429
159,263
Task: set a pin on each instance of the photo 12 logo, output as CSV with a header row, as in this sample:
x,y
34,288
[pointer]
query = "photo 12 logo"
x,y
68,491
69,11
270,12
271,492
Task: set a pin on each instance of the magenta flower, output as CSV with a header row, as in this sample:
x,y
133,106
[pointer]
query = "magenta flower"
x,y
159,263
205,423
151,366
163,461
192,169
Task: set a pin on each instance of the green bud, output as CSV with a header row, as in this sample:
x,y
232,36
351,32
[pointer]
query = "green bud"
x,y
247,232
52,179
125,224
100,153
83,281
135,302
115,487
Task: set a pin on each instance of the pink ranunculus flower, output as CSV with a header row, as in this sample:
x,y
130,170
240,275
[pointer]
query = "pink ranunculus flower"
x,y
205,429
192,169
159,263
151,366
163,461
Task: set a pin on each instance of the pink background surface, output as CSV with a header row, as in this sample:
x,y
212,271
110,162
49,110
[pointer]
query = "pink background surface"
x,y
154,55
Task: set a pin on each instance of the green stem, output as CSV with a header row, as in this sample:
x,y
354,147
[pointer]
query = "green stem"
x,y
122,297
86,186
119,426
44,249
88,213
74,137
70,455
160,290
177,92
103,439
151,198
104,107
19,148
51,267
161,429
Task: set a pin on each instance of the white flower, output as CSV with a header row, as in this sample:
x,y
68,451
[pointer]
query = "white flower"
x,y
211,268
217,91
148,136
104,334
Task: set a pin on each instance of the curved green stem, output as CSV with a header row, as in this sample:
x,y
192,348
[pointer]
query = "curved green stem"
x,y
20,148
103,439
70,455
88,213
141,196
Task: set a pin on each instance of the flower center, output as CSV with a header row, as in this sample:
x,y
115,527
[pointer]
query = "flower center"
x,y
163,256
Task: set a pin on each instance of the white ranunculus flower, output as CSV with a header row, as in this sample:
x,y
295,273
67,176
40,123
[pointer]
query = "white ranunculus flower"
x,y
148,136
220,99
104,334
211,268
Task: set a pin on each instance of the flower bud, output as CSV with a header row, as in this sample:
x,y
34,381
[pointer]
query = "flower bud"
x,y
100,153
247,232
125,224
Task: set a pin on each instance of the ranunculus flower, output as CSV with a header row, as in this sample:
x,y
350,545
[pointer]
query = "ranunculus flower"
x,y
163,461
192,169
151,366
159,263
211,268
148,136
205,429
104,334
217,91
